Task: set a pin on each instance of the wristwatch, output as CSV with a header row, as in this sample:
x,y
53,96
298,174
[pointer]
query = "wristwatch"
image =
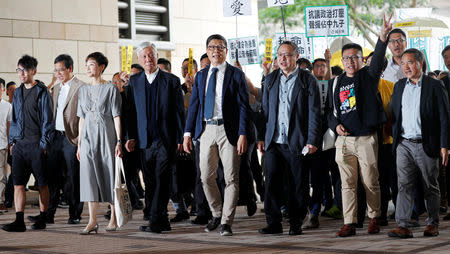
x,y
119,141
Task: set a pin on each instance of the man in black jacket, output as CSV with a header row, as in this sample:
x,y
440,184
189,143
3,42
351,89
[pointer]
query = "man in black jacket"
x,y
420,114
355,112
31,132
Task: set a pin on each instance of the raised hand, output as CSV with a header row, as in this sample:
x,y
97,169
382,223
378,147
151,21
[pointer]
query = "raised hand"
x,y
387,27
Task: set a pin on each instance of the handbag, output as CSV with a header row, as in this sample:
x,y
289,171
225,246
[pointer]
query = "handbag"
x,y
122,204
329,138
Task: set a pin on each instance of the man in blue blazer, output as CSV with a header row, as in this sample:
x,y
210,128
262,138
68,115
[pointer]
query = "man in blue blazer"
x,y
291,109
420,112
156,123
217,116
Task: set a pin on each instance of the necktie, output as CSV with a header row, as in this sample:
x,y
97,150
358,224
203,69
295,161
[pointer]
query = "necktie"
x,y
210,95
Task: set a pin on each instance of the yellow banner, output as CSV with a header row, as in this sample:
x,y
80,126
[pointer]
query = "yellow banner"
x,y
403,24
129,58
268,54
124,58
419,33
191,62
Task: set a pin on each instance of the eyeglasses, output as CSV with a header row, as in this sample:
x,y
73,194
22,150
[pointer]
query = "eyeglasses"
x,y
353,58
399,41
218,47
59,70
281,55
18,70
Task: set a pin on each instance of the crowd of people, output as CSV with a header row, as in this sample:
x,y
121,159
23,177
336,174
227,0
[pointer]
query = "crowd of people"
x,y
196,143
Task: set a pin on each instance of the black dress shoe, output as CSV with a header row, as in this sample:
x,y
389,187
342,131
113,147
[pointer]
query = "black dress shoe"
x,y
295,230
165,226
180,217
200,220
271,229
38,225
213,224
251,208
73,221
15,227
150,229
48,219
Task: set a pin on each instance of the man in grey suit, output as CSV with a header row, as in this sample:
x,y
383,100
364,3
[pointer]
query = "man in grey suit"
x,y
64,168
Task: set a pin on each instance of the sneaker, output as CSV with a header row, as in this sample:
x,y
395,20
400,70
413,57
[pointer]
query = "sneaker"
x,y
3,208
213,224
346,230
373,228
15,227
180,217
311,222
333,212
431,230
39,225
400,232
226,230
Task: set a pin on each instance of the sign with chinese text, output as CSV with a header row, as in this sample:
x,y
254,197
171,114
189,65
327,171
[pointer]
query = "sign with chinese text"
x,y
129,58
268,51
305,44
272,3
246,48
124,58
237,8
191,62
325,21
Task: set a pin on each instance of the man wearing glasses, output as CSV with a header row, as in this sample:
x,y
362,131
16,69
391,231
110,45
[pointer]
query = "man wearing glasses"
x,y
291,110
30,135
355,112
64,168
218,117
397,44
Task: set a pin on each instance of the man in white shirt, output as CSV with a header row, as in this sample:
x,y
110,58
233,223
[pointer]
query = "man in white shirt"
x,y
5,121
64,168
397,44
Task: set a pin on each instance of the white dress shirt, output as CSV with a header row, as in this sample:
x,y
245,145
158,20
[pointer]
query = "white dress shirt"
x,y
5,117
393,71
62,98
151,77
217,114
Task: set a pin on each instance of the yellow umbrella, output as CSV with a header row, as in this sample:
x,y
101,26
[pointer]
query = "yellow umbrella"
x,y
423,27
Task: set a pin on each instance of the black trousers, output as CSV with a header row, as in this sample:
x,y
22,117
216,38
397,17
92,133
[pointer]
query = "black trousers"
x,y
131,163
157,169
64,173
280,158
246,188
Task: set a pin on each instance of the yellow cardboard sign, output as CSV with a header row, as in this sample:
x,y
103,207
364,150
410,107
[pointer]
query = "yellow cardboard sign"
x,y
191,62
129,58
124,58
419,33
403,24
268,54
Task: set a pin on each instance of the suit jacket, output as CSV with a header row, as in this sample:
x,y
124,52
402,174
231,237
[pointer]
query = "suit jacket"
x,y
304,120
235,107
434,115
70,117
368,100
169,110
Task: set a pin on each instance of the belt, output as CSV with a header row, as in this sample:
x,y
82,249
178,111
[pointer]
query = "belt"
x,y
214,121
413,140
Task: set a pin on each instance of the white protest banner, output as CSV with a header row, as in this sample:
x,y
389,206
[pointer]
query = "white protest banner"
x,y
237,8
246,48
272,3
324,21
305,45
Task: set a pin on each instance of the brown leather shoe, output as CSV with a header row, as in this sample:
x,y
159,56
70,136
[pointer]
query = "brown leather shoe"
x,y
431,230
346,230
400,232
373,228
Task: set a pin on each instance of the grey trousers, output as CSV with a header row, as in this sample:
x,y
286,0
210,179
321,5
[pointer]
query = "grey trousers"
x,y
413,162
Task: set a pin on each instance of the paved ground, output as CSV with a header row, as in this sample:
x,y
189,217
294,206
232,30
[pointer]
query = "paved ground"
x,y
187,238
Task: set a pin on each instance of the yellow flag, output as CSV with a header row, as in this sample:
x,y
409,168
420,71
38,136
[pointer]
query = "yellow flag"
x,y
191,62
268,54
129,58
124,58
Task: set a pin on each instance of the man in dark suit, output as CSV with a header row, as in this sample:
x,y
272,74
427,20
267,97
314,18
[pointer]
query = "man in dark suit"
x,y
420,112
446,79
291,108
218,117
156,122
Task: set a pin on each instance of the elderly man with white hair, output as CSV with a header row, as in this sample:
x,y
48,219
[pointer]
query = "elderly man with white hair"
x,y
156,123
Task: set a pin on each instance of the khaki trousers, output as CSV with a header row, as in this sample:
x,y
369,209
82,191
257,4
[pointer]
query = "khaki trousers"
x,y
214,145
353,155
3,157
